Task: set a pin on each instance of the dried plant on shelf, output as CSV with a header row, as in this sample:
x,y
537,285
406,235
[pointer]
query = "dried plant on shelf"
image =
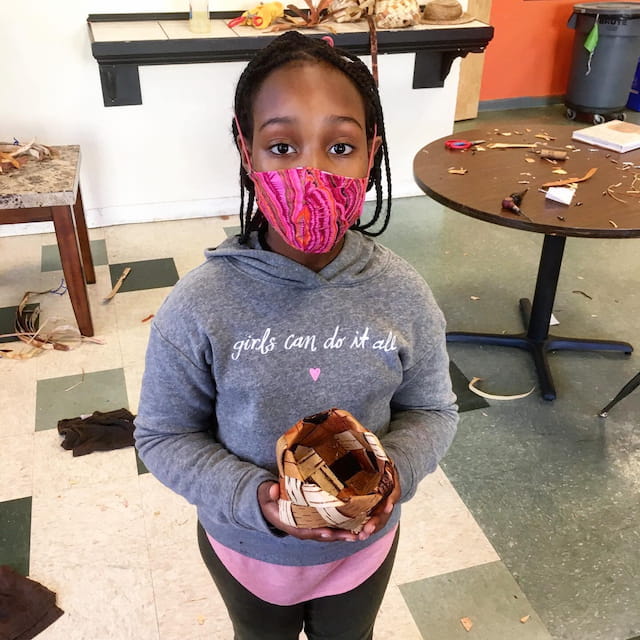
x,y
315,18
351,10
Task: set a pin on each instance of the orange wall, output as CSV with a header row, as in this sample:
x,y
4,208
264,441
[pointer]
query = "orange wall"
x,y
530,54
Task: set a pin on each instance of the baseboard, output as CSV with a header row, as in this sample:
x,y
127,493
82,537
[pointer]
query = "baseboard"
x,y
162,211
519,103
132,214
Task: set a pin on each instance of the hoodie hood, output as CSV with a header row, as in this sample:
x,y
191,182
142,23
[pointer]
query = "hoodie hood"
x,y
360,259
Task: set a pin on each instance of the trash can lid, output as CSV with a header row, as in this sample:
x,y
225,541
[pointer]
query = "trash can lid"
x,y
621,9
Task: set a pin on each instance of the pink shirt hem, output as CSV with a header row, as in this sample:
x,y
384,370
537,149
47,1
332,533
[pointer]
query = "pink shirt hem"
x,y
287,585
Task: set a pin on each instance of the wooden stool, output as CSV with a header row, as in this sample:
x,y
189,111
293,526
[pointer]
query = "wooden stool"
x,y
49,191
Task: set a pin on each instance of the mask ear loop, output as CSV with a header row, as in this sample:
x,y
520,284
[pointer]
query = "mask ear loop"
x,y
372,153
243,144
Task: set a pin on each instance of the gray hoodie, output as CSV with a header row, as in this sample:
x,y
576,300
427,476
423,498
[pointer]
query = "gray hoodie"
x,y
250,342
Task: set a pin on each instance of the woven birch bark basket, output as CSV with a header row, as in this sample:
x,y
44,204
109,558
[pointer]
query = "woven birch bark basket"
x,y
333,472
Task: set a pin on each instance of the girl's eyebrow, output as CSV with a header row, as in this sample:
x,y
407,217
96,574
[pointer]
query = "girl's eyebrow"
x,y
290,120
339,119
277,120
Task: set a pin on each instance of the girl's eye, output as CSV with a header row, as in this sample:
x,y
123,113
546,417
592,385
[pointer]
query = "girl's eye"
x,y
281,149
341,149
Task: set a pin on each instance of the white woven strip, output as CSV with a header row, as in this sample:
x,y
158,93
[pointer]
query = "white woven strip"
x,y
285,513
316,497
293,487
375,445
333,516
348,441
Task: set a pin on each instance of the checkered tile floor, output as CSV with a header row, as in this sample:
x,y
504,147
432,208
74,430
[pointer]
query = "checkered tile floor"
x,y
120,551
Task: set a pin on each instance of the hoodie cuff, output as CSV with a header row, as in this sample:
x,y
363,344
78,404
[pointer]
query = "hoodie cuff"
x,y
245,506
406,476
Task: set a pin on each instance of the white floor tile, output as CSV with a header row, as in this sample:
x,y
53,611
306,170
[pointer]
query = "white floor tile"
x,y
56,470
187,601
101,601
438,534
394,620
16,470
17,394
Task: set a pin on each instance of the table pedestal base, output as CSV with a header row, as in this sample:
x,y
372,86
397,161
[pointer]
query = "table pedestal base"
x,y
536,317
539,348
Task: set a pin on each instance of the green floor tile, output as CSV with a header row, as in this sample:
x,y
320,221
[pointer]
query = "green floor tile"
x,y
467,400
100,391
8,319
51,255
487,595
141,466
145,274
549,495
15,534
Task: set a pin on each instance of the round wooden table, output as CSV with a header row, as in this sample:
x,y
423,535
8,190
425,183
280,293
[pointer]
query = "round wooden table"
x,y
493,174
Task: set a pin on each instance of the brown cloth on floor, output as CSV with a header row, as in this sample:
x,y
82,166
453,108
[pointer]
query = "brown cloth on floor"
x,y
98,432
26,607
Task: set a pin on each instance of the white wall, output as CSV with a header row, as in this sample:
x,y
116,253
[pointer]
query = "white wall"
x,y
171,157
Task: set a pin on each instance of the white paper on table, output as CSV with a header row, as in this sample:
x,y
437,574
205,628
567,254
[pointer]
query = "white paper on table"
x,y
563,195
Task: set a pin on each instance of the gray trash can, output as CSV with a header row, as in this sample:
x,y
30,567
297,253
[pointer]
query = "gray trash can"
x,y
600,80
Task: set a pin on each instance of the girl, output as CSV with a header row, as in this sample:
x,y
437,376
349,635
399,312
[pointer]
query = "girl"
x,y
301,312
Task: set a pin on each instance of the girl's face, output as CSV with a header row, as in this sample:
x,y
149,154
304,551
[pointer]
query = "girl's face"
x,y
309,115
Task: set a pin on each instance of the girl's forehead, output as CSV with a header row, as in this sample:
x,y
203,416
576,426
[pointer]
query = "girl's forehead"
x,y
310,85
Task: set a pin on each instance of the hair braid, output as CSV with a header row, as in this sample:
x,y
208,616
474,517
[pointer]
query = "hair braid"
x,y
295,47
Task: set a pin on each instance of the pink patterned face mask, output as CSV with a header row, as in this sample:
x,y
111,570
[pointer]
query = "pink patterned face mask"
x,y
311,209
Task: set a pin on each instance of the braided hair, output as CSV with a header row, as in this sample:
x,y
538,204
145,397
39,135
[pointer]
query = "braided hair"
x,y
295,47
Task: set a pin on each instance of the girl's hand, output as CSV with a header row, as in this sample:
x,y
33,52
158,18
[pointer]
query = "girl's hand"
x,y
382,511
268,494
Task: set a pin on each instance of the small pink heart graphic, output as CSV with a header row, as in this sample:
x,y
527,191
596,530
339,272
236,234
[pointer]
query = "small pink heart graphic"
x,y
314,373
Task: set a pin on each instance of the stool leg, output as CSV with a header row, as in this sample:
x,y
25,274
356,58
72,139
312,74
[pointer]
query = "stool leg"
x,y
72,267
632,385
83,239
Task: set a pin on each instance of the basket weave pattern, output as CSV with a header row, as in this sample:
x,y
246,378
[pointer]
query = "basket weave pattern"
x,y
332,471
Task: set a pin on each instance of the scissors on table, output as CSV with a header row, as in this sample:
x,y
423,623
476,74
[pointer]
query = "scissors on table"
x,y
461,145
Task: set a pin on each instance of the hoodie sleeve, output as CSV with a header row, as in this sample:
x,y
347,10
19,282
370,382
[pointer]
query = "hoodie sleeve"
x,y
174,435
424,414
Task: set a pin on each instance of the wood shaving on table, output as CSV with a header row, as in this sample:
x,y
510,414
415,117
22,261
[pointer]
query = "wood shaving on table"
x,y
492,396
459,171
613,224
610,192
525,619
562,183
530,160
559,171
510,145
467,623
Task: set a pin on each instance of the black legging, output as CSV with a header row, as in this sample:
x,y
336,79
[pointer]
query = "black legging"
x,y
347,616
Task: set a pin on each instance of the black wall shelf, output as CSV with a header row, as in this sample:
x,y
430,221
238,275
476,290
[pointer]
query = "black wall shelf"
x,y
118,61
